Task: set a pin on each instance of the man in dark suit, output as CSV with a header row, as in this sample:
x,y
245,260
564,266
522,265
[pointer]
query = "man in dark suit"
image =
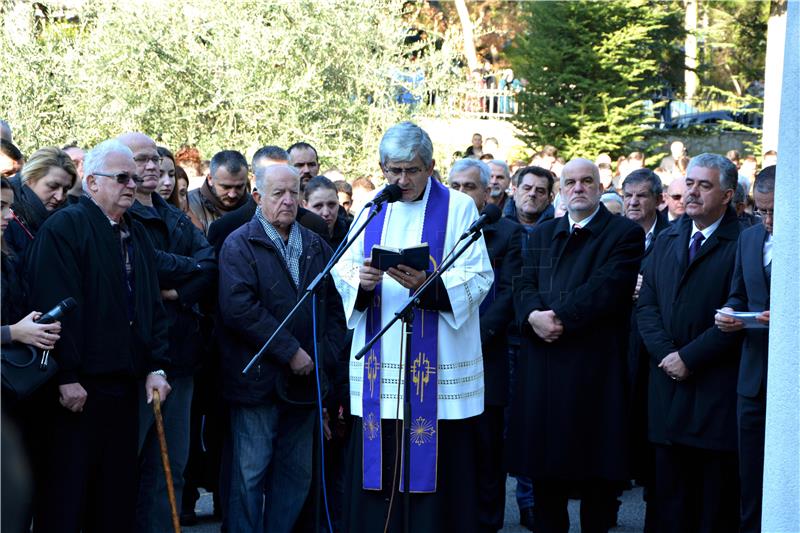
x,y
750,292
641,196
568,427
693,365
504,241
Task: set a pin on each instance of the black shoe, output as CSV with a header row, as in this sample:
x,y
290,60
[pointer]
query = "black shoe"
x,y
188,518
526,518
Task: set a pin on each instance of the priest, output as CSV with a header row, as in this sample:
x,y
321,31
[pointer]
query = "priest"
x,y
446,365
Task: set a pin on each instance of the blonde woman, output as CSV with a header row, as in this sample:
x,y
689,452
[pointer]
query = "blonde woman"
x,y
39,189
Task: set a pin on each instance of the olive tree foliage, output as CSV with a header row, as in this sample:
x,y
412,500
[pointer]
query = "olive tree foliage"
x,y
218,74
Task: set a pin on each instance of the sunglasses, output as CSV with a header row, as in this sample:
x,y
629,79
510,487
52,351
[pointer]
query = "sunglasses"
x,y
676,196
122,178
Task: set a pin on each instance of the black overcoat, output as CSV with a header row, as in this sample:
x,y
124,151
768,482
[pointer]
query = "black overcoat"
x,y
675,312
77,254
569,415
504,243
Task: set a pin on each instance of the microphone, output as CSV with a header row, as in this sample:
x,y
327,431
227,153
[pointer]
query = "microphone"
x,y
390,193
490,214
55,314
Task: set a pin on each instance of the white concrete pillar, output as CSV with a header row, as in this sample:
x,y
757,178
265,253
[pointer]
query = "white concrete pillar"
x,y
781,507
773,74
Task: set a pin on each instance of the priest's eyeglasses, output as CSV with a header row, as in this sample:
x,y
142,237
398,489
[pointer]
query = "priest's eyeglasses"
x,y
397,171
122,178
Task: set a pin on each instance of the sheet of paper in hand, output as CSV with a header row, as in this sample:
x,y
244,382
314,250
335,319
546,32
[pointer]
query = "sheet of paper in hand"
x,y
385,257
749,318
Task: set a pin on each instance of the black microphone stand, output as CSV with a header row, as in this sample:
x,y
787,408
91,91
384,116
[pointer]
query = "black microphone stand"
x,y
406,314
312,288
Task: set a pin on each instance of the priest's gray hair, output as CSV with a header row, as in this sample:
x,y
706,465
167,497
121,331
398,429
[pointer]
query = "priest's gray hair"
x,y
95,159
405,141
728,175
466,164
263,171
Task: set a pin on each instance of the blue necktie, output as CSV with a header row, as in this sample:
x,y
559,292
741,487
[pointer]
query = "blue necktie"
x,y
694,248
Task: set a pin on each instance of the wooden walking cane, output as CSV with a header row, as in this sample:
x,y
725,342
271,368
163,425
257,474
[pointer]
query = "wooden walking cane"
x,y
162,442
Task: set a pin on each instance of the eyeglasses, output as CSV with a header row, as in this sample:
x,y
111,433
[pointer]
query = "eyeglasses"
x,y
143,159
122,178
764,213
397,171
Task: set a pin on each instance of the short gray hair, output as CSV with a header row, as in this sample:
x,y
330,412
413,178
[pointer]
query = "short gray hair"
x,y
262,171
612,197
502,164
95,158
466,164
405,141
728,175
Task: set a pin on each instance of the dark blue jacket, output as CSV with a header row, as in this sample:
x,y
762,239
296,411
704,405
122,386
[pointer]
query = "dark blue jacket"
x,y
675,312
185,262
750,292
256,292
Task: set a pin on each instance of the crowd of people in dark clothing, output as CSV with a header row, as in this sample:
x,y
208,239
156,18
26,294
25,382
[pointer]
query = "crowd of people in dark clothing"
x,y
605,361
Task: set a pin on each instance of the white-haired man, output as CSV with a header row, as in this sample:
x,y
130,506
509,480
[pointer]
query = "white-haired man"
x,y
95,252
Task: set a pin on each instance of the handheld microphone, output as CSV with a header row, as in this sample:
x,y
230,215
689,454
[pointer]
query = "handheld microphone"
x,y
490,214
55,314
390,193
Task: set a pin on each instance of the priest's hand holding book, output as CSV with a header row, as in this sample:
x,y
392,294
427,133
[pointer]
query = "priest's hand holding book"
x,y
410,278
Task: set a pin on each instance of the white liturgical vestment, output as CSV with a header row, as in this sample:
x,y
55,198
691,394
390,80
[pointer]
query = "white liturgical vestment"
x,y
460,363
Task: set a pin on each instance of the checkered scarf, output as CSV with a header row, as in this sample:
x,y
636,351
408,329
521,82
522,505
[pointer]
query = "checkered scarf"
x,y
289,251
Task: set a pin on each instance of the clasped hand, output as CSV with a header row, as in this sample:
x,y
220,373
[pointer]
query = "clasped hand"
x,y
546,325
674,367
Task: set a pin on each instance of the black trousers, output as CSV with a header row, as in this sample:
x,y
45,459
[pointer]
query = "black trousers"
x,y
697,490
90,470
491,471
453,507
752,416
550,499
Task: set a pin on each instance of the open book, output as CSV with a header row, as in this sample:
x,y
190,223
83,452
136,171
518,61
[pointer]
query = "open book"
x,y
416,257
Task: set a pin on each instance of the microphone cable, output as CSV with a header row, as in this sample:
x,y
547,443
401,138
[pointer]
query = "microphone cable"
x,y
320,415
399,431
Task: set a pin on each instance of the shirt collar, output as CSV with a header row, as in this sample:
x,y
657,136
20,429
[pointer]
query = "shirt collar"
x,y
585,222
708,231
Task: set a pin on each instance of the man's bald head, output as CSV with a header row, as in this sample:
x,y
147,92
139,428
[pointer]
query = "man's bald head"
x,y
145,155
580,188
584,164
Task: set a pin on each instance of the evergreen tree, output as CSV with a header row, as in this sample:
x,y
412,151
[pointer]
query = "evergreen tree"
x,y
590,69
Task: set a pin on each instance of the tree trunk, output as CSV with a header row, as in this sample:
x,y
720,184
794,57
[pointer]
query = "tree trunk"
x,y
773,74
690,71
468,34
